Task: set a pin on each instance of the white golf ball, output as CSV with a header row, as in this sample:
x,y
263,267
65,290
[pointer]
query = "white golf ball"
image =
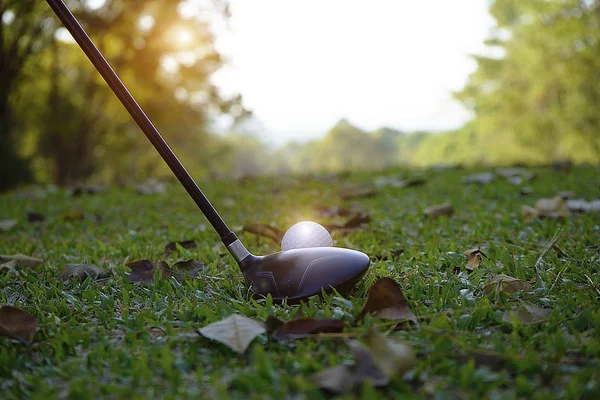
x,y
306,234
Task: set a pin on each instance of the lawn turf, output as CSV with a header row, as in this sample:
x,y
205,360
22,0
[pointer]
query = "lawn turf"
x,y
115,339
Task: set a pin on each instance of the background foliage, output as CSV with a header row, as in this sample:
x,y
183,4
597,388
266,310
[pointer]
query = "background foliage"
x,y
534,98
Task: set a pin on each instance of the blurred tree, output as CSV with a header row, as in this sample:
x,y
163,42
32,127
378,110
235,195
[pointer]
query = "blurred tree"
x,y
537,100
24,31
76,128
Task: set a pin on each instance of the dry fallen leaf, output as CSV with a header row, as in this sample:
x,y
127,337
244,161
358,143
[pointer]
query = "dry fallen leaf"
x,y
346,378
235,331
7,224
391,357
151,186
78,190
82,271
306,327
142,271
482,178
355,191
474,258
333,211
527,315
386,300
583,206
190,268
73,215
21,260
554,208
508,284
17,324
265,230
445,209
186,244
33,216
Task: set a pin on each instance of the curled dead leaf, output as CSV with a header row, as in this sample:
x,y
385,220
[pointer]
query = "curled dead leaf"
x,y
142,271
17,324
265,230
553,208
355,191
33,216
347,378
386,300
21,260
82,271
445,209
186,244
474,258
306,327
189,268
391,357
508,284
235,331
527,314
481,178
7,224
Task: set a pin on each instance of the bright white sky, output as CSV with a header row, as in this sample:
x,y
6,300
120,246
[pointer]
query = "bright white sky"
x,y
303,65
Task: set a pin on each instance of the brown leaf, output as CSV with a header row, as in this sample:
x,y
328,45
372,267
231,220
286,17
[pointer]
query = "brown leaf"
x,y
388,254
151,186
82,271
142,271
306,327
391,357
7,224
273,323
445,209
357,220
17,324
527,315
356,191
190,268
555,207
186,244
386,301
21,260
508,284
346,378
328,212
583,206
33,216
265,230
558,250
474,258
73,215
482,178
235,331
78,190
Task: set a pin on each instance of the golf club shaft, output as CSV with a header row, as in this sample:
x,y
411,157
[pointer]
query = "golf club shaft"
x,y
134,109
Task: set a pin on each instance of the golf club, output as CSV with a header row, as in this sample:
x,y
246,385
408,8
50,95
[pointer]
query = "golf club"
x,y
290,275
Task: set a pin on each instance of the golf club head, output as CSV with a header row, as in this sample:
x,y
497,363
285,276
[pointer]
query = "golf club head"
x,y
298,274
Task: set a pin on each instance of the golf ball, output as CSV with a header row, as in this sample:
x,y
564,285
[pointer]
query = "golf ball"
x,y
306,234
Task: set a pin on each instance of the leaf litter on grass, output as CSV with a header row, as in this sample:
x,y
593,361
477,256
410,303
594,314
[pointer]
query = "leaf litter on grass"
x,y
386,301
20,260
265,230
235,331
143,271
17,324
302,328
82,271
379,360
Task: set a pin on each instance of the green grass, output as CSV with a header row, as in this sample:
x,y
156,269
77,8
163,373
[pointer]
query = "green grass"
x,y
118,340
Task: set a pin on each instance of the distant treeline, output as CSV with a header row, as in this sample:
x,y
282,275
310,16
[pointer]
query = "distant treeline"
x,y
536,101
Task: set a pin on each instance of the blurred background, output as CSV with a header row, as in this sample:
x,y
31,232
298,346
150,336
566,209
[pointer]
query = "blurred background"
x,y
241,88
